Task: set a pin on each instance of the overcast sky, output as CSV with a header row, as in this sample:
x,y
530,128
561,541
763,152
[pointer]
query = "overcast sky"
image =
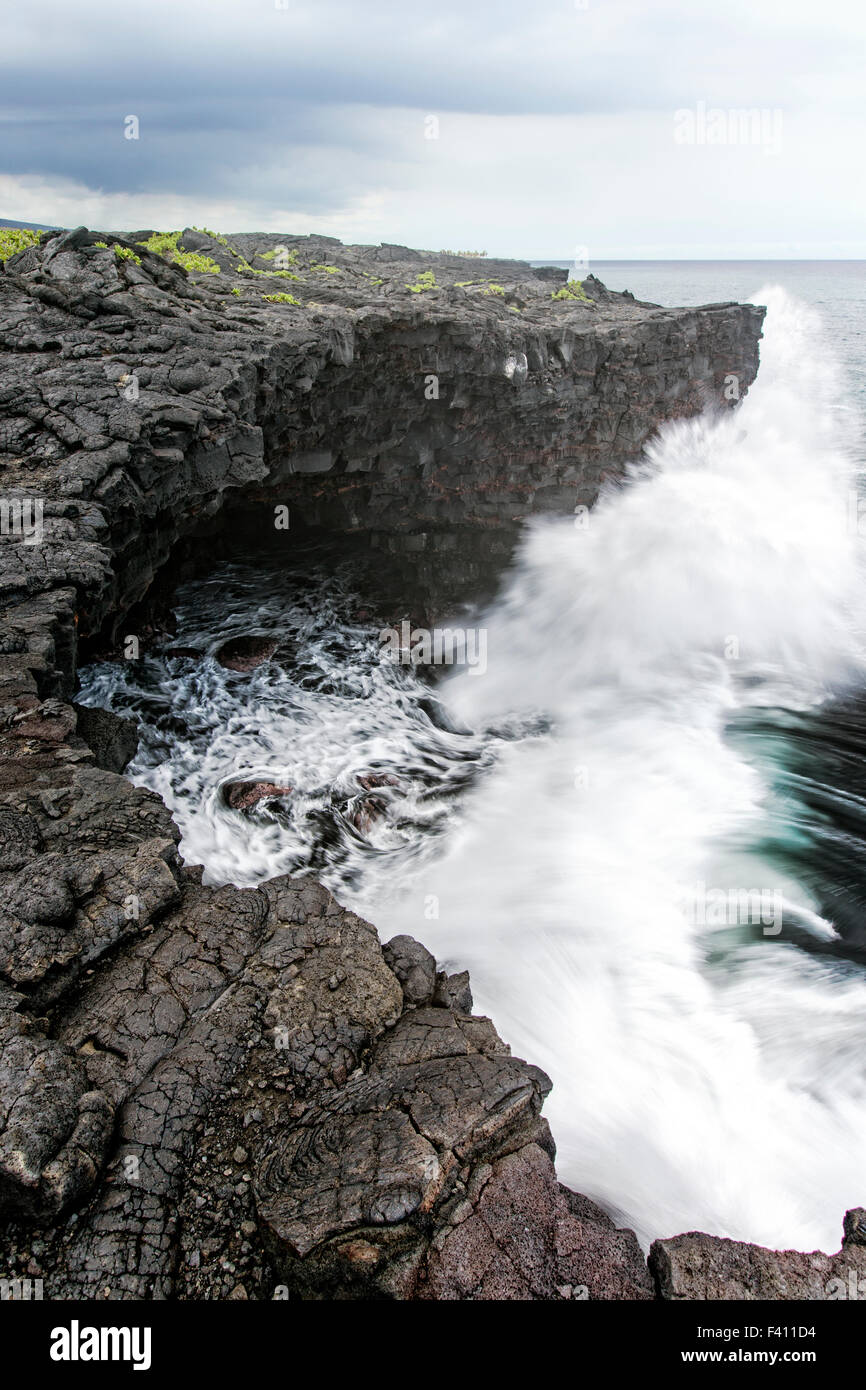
x,y
555,125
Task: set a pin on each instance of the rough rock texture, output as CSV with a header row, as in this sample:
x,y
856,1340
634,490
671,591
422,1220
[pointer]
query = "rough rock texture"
x,y
136,400
696,1266
223,1093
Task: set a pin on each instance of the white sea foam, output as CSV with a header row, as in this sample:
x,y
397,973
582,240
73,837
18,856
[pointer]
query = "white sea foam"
x,y
707,1075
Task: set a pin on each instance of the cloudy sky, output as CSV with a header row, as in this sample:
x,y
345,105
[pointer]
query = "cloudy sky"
x,y
523,127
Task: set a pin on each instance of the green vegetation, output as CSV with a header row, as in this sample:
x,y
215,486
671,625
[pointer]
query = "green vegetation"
x,y
126,253
215,236
281,299
462,253
328,269
103,245
165,244
573,290
291,256
426,281
246,269
15,239
491,286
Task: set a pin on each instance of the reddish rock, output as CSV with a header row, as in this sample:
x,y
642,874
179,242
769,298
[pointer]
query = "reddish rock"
x,y
241,796
246,653
696,1266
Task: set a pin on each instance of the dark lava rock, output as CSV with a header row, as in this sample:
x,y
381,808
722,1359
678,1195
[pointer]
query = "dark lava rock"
x,y
215,1092
453,992
414,967
245,653
114,740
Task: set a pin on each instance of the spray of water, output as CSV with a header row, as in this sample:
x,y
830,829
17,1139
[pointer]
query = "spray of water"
x,y
703,1079
588,803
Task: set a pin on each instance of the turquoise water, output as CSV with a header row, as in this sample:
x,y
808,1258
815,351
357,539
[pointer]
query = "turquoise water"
x,y
648,849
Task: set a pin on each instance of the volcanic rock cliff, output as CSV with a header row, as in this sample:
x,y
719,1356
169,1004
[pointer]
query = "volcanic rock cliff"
x,y
235,1093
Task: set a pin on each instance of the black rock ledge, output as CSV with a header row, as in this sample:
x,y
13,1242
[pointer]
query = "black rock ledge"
x,y
224,1093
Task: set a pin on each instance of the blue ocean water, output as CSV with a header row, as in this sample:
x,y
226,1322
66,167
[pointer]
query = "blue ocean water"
x,y
659,887
837,289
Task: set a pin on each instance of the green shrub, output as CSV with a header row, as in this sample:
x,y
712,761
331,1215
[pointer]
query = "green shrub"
x,y
126,253
15,239
328,269
573,290
215,236
426,281
291,256
281,298
246,269
165,244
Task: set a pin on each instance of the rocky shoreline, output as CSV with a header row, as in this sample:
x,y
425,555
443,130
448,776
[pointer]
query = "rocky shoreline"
x,y
225,1093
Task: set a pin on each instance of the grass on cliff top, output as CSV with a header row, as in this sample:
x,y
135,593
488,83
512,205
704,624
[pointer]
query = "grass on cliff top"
x,y
290,257
573,290
165,244
15,239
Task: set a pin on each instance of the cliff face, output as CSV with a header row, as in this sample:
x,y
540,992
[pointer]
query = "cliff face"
x,y
232,1089
139,400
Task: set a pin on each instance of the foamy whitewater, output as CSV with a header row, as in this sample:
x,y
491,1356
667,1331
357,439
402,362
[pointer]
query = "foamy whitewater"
x,y
560,824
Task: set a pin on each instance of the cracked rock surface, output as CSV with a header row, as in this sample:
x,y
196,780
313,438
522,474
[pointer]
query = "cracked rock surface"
x,y
223,1093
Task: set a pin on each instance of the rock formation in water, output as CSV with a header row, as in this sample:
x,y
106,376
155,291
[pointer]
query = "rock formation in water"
x,y
235,1093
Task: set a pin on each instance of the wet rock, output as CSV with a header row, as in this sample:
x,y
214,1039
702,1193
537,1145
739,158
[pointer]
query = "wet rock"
x,y
854,1227
242,796
246,653
113,739
150,1023
414,967
453,992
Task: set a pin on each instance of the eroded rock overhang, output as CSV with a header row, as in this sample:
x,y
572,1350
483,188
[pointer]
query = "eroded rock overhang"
x,y
390,1145
139,401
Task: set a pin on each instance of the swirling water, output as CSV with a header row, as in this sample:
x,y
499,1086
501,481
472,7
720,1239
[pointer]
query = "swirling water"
x,y
641,829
